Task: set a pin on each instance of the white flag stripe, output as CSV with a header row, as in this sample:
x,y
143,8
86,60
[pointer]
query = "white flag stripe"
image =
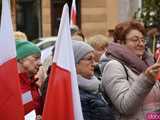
x,y
64,35
7,42
74,3
64,58
26,97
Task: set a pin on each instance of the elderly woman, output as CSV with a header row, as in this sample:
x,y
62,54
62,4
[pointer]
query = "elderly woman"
x,y
93,105
129,78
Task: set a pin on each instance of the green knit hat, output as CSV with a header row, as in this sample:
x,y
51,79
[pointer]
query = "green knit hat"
x,y
25,48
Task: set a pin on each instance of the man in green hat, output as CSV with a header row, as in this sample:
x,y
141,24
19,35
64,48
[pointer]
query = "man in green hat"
x,y
31,75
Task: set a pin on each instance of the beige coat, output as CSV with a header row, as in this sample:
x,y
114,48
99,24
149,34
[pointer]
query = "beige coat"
x,y
132,98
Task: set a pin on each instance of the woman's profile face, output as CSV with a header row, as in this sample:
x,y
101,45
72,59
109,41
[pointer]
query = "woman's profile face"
x,y
135,42
85,67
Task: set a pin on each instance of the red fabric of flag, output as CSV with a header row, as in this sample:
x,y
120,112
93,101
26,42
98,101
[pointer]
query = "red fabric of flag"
x,y
59,96
73,13
11,107
10,99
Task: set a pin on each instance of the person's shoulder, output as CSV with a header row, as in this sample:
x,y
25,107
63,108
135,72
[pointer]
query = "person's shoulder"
x,y
113,63
113,67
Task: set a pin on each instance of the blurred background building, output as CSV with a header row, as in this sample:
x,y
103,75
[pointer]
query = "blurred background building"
x,y
39,18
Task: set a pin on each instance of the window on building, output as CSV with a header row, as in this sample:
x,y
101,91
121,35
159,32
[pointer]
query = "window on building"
x,y
28,17
56,11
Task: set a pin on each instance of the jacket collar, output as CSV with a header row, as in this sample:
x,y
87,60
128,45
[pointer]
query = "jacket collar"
x,y
125,56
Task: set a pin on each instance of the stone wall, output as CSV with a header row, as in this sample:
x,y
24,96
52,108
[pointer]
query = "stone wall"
x,y
46,17
98,16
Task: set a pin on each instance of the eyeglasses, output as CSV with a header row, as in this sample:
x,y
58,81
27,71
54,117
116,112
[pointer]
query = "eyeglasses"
x,y
137,39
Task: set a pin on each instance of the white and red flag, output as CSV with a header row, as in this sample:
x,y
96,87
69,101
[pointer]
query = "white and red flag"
x,y
11,107
62,99
73,18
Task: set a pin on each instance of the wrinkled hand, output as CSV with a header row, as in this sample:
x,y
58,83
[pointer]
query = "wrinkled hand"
x,y
152,71
40,76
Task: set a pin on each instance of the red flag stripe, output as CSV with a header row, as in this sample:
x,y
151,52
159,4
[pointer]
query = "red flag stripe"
x,y
73,13
60,87
10,102
73,16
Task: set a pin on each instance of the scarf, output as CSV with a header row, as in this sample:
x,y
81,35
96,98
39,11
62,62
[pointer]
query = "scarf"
x,y
125,56
90,85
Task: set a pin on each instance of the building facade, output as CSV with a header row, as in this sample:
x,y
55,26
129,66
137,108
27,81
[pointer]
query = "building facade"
x,y
41,17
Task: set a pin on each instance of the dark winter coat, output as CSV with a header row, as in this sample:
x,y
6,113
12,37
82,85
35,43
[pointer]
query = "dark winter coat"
x,y
94,107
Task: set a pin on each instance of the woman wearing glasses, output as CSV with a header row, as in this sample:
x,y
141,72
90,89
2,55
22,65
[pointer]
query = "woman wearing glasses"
x,y
94,107
129,78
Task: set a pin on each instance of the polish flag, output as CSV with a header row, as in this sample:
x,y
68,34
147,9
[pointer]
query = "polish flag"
x,y
73,13
11,107
62,99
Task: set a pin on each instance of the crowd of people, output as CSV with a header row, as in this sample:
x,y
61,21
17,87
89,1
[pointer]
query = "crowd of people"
x,y
117,79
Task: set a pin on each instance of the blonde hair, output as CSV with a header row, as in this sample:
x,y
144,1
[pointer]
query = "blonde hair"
x,y
20,35
98,41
